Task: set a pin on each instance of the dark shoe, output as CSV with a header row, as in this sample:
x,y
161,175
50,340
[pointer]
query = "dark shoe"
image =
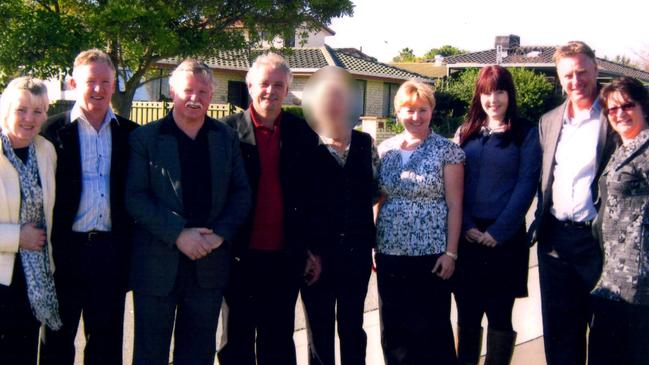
x,y
469,344
500,347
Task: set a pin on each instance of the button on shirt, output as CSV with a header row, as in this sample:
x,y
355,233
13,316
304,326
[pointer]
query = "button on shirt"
x,y
95,148
576,166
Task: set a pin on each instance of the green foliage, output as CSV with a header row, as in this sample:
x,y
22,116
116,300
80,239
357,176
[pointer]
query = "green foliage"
x,y
43,37
294,109
444,51
405,55
535,94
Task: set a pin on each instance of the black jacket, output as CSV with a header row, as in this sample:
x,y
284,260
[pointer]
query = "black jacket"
x,y
296,138
64,135
154,194
339,211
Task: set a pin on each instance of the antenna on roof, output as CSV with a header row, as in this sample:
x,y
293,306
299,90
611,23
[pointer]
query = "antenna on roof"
x,y
499,54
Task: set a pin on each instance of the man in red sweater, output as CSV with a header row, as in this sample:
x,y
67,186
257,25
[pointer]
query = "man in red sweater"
x,y
271,258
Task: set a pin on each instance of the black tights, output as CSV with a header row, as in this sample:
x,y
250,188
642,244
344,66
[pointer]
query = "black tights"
x,y
497,308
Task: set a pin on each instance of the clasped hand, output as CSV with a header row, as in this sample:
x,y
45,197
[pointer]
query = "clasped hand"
x,y
197,243
483,238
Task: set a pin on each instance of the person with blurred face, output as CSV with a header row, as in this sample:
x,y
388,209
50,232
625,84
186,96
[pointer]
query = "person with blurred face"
x,y
342,189
188,192
503,163
27,164
618,332
576,142
421,179
270,255
91,228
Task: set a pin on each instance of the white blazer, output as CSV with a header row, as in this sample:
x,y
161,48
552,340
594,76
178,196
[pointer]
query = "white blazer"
x,y
10,204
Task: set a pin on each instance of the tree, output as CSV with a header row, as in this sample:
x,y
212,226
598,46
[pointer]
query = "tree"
x,y
405,55
625,60
444,51
42,37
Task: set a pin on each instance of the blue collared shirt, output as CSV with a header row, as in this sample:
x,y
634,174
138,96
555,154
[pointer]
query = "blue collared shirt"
x,y
95,148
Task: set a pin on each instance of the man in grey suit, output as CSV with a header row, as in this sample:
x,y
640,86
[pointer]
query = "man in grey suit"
x,y
577,143
188,193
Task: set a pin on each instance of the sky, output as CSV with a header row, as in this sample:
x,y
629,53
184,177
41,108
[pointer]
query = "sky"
x,y
382,28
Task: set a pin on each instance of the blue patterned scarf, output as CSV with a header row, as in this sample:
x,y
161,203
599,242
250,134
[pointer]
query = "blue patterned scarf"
x,y
36,264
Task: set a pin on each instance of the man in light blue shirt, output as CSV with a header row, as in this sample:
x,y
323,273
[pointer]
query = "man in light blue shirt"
x,y
91,230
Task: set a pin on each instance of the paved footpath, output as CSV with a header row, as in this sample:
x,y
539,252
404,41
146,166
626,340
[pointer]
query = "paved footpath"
x,y
527,321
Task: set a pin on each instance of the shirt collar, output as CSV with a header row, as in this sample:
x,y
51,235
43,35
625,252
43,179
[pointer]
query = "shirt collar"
x,y
77,114
258,124
580,117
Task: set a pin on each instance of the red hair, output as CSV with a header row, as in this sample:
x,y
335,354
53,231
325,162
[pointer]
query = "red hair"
x,y
490,78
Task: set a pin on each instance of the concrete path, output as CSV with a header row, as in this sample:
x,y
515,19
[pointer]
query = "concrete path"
x,y
527,322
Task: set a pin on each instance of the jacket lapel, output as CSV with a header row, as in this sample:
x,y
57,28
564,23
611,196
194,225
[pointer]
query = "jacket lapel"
x,y
217,167
71,155
246,130
637,147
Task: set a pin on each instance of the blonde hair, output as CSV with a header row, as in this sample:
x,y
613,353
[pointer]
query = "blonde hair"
x,y
412,90
192,66
91,56
572,49
272,60
35,87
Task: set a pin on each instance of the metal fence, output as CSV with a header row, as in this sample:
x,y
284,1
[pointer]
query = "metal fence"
x,y
143,112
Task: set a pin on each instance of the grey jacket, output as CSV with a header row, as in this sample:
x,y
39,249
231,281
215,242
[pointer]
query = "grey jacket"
x,y
154,200
550,127
623,224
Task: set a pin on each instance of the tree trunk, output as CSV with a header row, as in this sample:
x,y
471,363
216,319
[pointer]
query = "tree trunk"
x,y
123,101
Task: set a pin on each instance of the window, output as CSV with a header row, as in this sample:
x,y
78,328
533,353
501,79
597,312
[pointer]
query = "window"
x,y
289,40
362,93
238,94
389,91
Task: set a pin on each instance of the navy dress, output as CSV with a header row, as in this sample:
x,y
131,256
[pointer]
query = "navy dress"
x,y
501,177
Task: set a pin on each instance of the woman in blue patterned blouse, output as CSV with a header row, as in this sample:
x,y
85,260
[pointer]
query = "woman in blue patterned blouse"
x,y
418,227
503,163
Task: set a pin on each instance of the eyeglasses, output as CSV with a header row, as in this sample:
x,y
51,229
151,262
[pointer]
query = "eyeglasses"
x,y
624,107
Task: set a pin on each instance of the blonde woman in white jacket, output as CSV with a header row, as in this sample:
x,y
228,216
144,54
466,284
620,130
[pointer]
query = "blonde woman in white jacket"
x,y
27,166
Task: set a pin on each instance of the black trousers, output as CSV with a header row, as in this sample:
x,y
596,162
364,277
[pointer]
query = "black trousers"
x,y
619,333
570,262
339,296
497,308
18,326
90,283
259,315
415,308
193,310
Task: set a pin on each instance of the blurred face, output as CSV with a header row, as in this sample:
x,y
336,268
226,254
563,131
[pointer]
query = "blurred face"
x,y
578,77
191,96
625,115
95,85
26,115
331,110
268,87
495,104
416,117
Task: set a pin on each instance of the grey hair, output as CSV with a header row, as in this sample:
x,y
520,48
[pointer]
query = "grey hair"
x,y
192,66
272,60
34,86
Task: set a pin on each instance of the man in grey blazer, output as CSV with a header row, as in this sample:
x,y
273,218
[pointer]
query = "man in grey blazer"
x,y
188,193
577,143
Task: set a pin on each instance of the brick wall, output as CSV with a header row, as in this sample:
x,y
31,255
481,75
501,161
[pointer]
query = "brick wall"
x,y
374,98
221,79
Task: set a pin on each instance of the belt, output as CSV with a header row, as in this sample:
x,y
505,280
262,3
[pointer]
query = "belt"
x,y
92,236
573,224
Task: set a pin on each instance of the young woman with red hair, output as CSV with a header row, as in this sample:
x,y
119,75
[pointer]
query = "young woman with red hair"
x,y
503,162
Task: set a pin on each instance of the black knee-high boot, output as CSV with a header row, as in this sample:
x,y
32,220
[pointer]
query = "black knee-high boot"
x,y
469,344
500,347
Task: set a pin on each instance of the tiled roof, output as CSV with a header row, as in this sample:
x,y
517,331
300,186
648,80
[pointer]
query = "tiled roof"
x,y
539,55
429,69
310,60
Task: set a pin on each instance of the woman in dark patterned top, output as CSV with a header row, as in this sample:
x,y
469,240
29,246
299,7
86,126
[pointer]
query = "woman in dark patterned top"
x,y
619,332
503,163
418,227
27,163
341,184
